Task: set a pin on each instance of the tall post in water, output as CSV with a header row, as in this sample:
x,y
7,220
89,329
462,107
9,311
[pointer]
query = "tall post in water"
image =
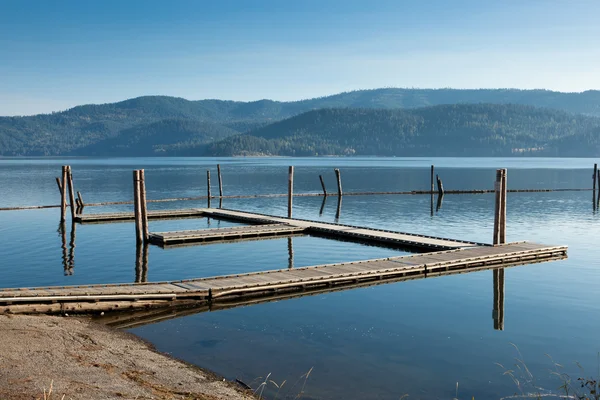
x,y
71,192
339,181
208,186
137,207
63,194
144,206
432,181
220,180
594,178
290,190
498,312
503,210
323,185
598,201
440,186
500,208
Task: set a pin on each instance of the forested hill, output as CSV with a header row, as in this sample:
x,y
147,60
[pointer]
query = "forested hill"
x,y
448,130
90,127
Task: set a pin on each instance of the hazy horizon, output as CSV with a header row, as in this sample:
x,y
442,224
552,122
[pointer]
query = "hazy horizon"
x,y
295,100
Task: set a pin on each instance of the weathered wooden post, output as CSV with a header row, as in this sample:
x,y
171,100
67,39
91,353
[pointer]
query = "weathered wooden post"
x,y
594,176
440,185
503,210
220,180
60,189
144,206
500,208
290,190
498,313
432,181
208,186
137,208
339,181
63,195
80,199
71,192
598,201
323,185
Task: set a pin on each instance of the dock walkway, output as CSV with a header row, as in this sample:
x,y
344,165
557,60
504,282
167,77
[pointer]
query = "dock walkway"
x,y
348,232
267,283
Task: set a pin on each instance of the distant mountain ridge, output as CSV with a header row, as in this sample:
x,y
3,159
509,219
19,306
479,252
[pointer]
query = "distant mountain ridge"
x,y
99,129
445,130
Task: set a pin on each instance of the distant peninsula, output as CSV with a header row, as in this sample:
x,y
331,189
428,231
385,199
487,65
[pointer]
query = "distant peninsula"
x,y
379,122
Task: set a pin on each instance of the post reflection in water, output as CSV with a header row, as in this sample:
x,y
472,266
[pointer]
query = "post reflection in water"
x,y
440,200
141,262
68,255
338,212
431,204
290,253
322,205
498,313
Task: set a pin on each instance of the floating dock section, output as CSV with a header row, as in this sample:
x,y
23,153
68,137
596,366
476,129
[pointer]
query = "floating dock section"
x,y
93,298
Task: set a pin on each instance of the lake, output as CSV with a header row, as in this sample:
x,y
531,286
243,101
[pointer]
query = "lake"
x,y
421,337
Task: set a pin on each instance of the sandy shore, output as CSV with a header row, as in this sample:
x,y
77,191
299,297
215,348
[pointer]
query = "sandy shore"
x,y
85,360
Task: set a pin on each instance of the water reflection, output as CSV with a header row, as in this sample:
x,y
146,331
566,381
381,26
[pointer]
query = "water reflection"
x,y
141,263
137,318
440,200
338,212
322,206
498,313
68,255
290,246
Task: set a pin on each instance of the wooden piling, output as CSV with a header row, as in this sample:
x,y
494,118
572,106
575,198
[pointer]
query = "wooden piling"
x,y
323,185
290,190
500,208
440,185
594,177
208,187
432,180
220,180
137,207
598,199
339,181
63,195
71,192
144,206
60,189
81,203
503,210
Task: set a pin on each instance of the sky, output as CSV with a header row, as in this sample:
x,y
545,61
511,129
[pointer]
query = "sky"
x,y
55,55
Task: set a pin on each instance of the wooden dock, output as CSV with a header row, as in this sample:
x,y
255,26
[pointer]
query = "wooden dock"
x,y
103,218
348,232
223,234
94,298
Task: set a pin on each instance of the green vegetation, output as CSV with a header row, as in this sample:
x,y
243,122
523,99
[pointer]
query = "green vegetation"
x,y
373,122
450,130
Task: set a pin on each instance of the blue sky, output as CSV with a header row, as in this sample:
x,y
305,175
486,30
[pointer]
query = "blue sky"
x,y
58,54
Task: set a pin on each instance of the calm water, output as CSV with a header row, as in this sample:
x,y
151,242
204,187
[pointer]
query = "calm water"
x,y
416,337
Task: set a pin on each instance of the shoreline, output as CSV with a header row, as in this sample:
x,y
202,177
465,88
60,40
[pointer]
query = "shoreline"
x,y
83,359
